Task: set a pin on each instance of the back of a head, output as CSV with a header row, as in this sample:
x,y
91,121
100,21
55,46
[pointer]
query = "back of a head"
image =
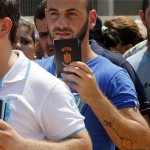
x,y
96,32
11,9
40,11
127,31
142,29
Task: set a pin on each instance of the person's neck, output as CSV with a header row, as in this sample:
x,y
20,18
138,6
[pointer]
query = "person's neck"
x,y
8,59
86,51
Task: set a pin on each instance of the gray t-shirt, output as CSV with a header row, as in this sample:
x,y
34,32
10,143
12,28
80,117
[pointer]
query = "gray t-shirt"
x,y
141,63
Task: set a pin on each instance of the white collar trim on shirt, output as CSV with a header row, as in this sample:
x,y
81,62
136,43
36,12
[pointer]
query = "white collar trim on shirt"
x,y
19,70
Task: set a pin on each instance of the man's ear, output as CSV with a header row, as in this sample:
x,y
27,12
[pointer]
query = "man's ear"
x,y
142,16
92,19
5,26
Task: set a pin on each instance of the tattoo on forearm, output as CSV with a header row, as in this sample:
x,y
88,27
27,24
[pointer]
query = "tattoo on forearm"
x,y
123,140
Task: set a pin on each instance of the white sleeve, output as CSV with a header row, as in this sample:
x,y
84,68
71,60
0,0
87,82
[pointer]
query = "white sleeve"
x,y
60,117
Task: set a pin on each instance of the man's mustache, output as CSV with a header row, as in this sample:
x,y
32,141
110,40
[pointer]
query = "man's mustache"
x,y
62,30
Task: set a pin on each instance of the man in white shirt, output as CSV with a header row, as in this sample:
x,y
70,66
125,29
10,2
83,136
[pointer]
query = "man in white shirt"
x,y
40,110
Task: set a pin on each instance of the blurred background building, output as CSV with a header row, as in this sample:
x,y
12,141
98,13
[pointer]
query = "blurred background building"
x,y
103,7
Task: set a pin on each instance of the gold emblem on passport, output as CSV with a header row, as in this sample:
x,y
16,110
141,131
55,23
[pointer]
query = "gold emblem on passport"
x,y
66,55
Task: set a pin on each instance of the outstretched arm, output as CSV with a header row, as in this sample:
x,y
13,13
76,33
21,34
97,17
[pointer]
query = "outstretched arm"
x,y
11,140
127,128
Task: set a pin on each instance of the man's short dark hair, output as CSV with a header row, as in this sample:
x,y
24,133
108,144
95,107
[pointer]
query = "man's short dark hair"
x,y
145,4
40,11
11,9
89,5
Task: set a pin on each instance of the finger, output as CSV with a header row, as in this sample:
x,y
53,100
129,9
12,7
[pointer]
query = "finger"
x,y
72,77
82,66
77,70
3,125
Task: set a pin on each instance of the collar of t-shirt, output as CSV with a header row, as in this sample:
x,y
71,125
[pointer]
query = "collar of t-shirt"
x,y
19,70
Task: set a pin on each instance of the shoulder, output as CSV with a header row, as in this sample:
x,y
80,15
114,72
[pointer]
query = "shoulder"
x,y
136,57
39,77
45,62
135,49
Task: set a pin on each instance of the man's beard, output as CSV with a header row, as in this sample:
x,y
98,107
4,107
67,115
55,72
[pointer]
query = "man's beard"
x,y
50,50
83,31
81,34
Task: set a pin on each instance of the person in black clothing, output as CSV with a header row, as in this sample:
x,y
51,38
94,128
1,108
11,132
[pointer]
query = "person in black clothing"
x,y
116,58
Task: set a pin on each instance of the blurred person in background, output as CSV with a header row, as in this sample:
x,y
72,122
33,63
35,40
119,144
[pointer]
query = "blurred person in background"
x,y
41,26
120,34
25,38
142,44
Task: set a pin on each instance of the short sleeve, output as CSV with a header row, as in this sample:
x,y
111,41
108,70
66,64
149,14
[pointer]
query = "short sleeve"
x,y
60,117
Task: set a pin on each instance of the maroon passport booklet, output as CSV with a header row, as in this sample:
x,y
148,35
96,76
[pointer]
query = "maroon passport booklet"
x,y
66,51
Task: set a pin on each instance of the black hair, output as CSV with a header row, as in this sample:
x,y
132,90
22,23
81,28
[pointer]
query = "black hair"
x,y
110,37
121,29
40,11
89,5
96,32
11,9
145,4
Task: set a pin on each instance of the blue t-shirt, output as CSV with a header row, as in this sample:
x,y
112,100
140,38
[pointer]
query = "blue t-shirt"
x,y
117,59
115,83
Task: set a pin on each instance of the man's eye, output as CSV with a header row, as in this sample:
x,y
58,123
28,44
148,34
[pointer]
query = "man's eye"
x,y
72,14
53,15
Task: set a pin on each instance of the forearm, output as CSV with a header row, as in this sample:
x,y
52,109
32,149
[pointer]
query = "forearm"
x,y
125,133
70,144
73,144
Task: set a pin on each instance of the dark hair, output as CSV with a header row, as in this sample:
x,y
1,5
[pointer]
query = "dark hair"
x,y
124,29
110,37
29,25
89,5
145,4
40,11
11,9
96,32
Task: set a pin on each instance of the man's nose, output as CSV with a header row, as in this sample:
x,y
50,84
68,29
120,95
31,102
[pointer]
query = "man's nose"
x,y
62,21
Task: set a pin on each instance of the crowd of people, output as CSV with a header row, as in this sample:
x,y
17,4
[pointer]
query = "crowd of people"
x,y
99,103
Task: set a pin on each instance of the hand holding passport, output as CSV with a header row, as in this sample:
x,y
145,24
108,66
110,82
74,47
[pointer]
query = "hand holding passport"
x,y
66,51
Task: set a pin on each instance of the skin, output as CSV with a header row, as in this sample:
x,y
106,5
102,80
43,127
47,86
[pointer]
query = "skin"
x,y
121,48
9,138
45,41
65,19
24,42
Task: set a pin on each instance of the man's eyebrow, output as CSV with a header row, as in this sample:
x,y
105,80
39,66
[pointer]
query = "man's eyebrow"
x,y
72,9
53,9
